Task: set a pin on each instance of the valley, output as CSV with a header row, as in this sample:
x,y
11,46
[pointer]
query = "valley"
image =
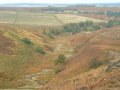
x,y
59,51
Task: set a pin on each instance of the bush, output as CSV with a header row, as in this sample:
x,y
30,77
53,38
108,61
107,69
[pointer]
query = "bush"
x,y
27,41
60,60
40,50
71,28
113,14
96,27
95,63
57,70
112,23
50,35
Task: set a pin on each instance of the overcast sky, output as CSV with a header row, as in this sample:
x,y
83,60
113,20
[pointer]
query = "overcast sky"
x,y
58,1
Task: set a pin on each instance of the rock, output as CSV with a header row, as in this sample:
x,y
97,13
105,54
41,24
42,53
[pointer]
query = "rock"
x,y
114,65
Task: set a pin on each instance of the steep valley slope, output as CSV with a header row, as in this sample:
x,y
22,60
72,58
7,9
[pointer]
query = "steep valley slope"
x,y
95,66
27,59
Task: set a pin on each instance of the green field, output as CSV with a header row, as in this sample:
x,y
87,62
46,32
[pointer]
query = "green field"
x,y
41,18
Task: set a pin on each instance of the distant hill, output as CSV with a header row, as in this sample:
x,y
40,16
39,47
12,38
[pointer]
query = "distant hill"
x,y
58,5
32,5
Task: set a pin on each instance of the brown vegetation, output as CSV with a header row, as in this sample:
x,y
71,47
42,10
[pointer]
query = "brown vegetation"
x,y
77,74
6,44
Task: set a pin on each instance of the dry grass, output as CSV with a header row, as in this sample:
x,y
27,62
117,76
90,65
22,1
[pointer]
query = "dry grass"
x,y
29,18
67,18
76,73
6,44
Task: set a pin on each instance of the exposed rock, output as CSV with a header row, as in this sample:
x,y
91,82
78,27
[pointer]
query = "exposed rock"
x,y
114,65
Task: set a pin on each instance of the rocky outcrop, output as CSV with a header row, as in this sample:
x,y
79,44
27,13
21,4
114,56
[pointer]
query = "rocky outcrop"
x,y
114,65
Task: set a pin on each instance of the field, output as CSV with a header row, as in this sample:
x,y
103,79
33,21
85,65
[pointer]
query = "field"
x,y
41,18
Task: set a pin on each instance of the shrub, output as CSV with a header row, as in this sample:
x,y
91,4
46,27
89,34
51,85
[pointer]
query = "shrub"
x,y
113,14
27,41
108,25
112,23
50,35
57,70
60,60
95,63
96,27
40,50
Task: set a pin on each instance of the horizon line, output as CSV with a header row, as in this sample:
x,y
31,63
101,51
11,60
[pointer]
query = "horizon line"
x,y
62,3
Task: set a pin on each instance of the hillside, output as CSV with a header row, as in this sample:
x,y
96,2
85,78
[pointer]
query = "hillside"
x,y
19,55
93,67
26,52
29,59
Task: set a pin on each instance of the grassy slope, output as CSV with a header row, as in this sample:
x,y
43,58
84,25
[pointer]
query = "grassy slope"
x,y
25,60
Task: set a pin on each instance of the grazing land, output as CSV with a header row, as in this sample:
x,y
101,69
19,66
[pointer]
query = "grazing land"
x,y
60,48
30,18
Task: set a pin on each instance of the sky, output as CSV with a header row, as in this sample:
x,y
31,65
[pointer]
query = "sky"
x,y
58,1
